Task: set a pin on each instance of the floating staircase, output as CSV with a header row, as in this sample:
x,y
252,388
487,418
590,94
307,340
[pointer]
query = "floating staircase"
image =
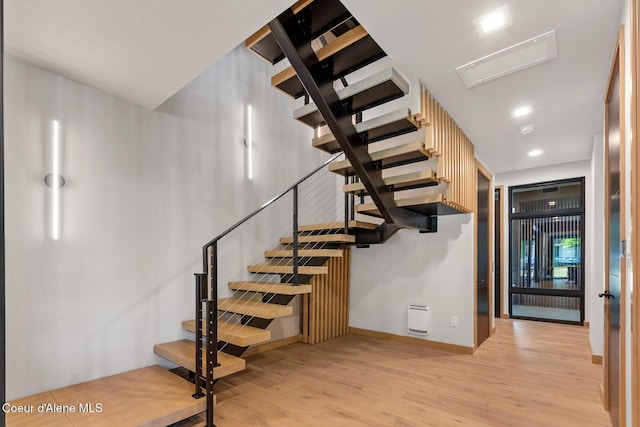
x,y
351,101
258,302
405,163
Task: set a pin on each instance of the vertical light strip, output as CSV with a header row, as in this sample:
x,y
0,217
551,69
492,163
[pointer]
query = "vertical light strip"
x,y
249,144
55,182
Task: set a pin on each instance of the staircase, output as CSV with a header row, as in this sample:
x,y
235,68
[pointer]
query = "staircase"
x,y
407,162
402,162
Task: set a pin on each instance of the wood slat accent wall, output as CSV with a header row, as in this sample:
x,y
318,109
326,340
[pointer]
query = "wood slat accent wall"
x,y
325,313
455,152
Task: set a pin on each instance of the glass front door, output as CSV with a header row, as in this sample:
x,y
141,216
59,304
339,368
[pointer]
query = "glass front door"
x,y
547,251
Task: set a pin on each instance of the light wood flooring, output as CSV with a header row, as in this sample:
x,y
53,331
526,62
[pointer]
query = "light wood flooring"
x,y
527,374
147,397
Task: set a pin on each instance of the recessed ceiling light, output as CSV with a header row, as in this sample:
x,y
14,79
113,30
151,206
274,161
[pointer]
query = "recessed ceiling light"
x,y
521,111
494,21
527,129
534,153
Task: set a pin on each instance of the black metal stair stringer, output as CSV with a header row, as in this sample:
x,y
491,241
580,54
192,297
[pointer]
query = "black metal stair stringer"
x,y
295,42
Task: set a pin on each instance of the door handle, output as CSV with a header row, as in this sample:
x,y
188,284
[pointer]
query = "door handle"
x,y
607,295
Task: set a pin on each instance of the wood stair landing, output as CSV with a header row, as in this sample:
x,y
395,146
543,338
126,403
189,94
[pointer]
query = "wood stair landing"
x,y
424,178
147,397
254,308
349,52
182,353
382,127
234,333
370,92
286,269
388,158
427,205
270,288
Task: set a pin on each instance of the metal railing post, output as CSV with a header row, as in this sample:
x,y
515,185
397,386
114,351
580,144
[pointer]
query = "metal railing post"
x,y
352,199
212,312
212,355
296,277
201,290
346,206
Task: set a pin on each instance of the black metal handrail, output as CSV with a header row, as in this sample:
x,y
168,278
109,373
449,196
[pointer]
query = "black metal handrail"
x,y
270,202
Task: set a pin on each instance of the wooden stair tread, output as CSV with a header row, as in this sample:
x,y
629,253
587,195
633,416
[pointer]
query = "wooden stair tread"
x,y
234,333
182,352
270,288
381,87
286,269
428,205
321,238
390,157
331,12
382,127
150,396
405,181
338,226
349,52
304,253
254,308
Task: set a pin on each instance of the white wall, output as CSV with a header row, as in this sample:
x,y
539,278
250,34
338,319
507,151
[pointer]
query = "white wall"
x,y
552,173
144,191
411,268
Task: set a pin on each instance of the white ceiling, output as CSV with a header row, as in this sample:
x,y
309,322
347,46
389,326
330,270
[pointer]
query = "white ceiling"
x,y
430,38
142,51
146,50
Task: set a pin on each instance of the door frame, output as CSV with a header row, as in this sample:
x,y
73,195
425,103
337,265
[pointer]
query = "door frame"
x,y
480,168
499,234
617,66
634,32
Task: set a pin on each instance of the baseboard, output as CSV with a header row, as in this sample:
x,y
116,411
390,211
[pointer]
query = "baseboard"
x,y
493,331
261,348
504,316
601,393
595,359
585,324
454,348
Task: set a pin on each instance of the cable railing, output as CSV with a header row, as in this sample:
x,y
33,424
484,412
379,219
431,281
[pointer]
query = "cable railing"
x,y
315,199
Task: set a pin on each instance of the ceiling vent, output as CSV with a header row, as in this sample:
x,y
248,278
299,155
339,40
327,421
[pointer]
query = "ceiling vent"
x,y
514,58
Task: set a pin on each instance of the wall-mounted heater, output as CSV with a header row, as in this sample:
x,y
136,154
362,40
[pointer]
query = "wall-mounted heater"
x,y
418,319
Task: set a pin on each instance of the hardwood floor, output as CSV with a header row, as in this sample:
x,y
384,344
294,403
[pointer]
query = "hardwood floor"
x,y
526,374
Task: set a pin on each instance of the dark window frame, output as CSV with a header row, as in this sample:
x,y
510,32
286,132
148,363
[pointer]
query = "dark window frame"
x,y
545,214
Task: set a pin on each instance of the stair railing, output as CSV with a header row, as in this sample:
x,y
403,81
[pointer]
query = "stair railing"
x,y
206,292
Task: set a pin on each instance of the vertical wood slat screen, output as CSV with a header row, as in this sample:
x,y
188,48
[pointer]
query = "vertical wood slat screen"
x,y
325,313
455,152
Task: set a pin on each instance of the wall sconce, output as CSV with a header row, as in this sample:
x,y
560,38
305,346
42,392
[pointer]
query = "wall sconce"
x,y
55,180
248,142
